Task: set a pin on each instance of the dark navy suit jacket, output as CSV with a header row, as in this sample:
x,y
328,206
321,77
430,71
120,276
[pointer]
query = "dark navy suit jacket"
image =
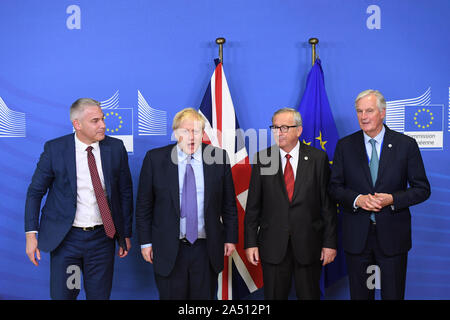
x,y
56,174
401,173
158,206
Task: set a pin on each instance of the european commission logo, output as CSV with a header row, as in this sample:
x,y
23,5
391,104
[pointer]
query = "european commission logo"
x,y
424,123
152,122
423,118
12,123
119,121
419,119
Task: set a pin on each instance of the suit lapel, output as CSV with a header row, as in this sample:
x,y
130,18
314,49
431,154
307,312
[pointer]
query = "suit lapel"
x,y
303,157
386,154
172,177
105,155
69,160
360,150
208,179
276,156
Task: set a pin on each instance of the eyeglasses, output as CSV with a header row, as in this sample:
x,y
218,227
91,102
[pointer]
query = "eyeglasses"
x,y
283,129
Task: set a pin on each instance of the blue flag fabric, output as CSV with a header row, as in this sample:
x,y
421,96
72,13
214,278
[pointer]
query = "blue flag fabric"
x,y
423,118
119,121
319,130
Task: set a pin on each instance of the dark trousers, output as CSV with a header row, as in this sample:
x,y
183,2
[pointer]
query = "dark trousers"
x,y
392,271
90,253
278,278
192,277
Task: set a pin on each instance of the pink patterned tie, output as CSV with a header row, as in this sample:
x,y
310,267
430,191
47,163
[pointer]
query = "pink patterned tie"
x,y
100,195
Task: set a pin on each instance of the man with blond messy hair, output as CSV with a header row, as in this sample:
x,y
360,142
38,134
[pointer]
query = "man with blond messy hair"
x,y
186,215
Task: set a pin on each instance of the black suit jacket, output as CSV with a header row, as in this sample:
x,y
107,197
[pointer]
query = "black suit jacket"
x,y
400,164
158,206
56,174
270,219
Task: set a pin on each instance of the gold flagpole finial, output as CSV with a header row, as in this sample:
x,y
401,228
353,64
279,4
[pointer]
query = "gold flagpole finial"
x,y
220,42
313,42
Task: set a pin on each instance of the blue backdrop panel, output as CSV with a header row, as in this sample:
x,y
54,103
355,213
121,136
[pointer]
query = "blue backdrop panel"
x,y
149,59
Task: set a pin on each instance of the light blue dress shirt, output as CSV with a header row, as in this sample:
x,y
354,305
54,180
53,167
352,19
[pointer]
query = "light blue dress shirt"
x,y
197,166
379,139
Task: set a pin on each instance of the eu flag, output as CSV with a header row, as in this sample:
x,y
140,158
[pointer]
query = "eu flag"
x,y
423,118
319,130
119,121
119,124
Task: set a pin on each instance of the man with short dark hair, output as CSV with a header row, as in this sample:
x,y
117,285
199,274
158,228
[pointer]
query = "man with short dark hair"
x,y
377,175
89,205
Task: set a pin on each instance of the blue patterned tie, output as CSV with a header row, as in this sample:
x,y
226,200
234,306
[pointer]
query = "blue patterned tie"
x,y
373,165
189,203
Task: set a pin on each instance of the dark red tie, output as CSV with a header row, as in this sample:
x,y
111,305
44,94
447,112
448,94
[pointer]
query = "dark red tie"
x,y
100,195
289,177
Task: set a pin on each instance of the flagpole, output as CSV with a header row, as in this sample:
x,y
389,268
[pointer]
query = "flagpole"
x,y
313,42
220,42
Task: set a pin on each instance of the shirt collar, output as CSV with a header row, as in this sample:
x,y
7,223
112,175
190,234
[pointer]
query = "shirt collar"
x,y
182,156
379,137
293,153
81,146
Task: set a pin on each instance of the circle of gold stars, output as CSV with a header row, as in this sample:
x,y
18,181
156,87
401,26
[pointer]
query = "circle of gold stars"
x,y
112,114
426,125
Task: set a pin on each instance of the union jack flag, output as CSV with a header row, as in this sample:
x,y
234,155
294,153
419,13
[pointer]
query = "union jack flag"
x,y
238,278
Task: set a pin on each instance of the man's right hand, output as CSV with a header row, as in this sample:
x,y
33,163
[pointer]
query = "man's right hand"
x,y
32,249
147,254
252,255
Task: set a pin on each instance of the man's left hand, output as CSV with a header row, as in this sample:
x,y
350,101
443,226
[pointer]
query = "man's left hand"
x,y
123,253
327,255
385,199
229,248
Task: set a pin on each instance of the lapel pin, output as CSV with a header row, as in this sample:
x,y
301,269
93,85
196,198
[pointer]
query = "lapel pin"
x,y
306,158
389,145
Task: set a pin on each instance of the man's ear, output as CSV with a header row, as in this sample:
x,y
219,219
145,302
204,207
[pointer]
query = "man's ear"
x,y
299,131
178,136
76,124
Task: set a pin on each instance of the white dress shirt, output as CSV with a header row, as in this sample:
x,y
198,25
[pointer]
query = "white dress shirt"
x,y
87,213
294,153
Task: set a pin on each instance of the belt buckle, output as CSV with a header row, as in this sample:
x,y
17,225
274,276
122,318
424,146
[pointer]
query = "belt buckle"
x,y
186,241
88,228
